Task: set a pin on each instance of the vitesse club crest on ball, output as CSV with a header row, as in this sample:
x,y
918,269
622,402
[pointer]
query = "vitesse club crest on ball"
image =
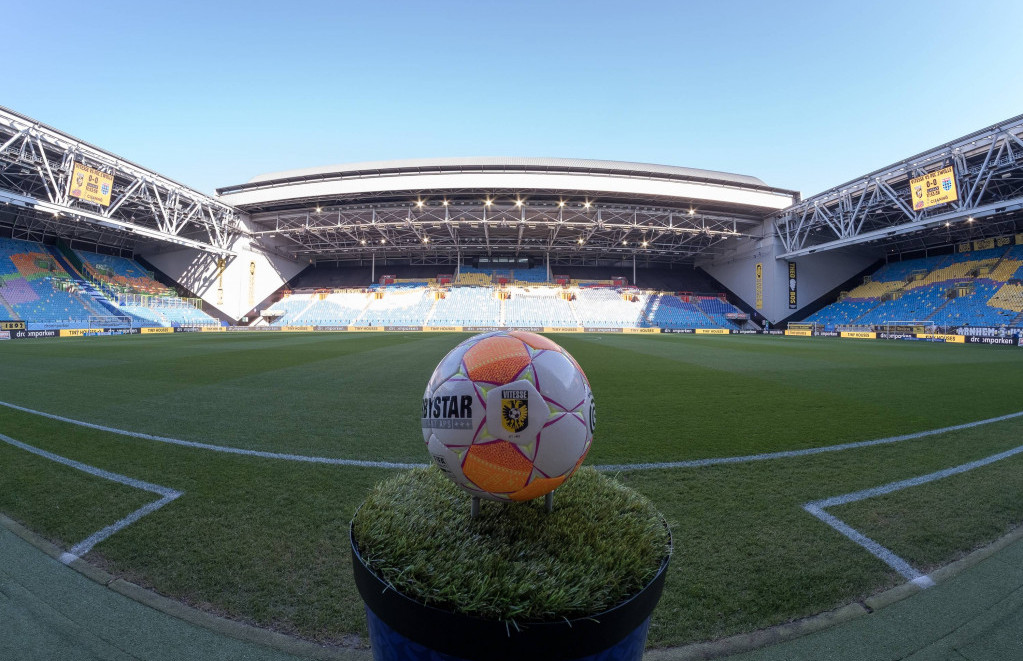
x,y
508,415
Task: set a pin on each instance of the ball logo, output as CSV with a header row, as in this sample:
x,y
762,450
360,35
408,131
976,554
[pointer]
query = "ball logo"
x,y
593,416
514,410
447,412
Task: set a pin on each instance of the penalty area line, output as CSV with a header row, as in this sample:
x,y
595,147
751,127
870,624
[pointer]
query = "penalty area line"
x,y
81,548
817,508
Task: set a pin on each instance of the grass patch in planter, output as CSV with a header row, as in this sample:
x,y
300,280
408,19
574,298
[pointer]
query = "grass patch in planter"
x,y
602,544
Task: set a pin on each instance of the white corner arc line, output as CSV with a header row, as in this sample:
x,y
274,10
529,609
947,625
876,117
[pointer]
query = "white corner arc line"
x,y
81,548
789,454
817,508
365,463
219,448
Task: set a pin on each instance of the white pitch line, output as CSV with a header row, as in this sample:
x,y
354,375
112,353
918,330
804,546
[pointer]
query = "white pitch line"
x,y
81,548
218,448
694,463
880,552
789,454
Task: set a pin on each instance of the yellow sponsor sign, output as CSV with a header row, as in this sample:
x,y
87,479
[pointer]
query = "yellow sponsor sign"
x,y
160,329
76,332
12,325
562,329
760,286
799,333
90,184
293,329
933,189
644,330
212,329
984,244
444,329
860,335
712,331
958,339
1019,239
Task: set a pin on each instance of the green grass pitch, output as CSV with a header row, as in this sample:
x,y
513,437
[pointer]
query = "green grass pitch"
x,y
266,541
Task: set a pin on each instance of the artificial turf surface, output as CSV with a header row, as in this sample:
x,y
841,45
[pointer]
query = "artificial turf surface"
x,y
266,541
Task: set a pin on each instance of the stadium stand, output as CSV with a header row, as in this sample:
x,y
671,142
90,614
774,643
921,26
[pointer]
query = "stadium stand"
x,y
36,289
669,311
979,288
402,304
466,306
537,307
121,274
604,307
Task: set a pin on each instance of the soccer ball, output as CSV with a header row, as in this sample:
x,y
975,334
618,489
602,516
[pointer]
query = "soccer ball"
x,y
508,415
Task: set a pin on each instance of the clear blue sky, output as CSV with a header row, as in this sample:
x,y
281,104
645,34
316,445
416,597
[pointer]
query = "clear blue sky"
x,y
804,95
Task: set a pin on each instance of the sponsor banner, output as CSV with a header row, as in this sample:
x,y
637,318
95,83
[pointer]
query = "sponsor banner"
x,y
792,285
942,338
933,189
212,329
799,333
748,331
860,335
32,334
296,329
158,329
964,247
187,329
774,332
5,335
896,336
800,326
984,244
91,185
75,332
684,331
712,331
1007,341
602,330
484,329
642,330
12,325
242,329
403,328
444,329
906,329
332,328
759,286
562,329
1019,239
826,334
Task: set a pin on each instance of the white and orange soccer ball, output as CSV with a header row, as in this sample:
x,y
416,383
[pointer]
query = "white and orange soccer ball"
x,y
508,415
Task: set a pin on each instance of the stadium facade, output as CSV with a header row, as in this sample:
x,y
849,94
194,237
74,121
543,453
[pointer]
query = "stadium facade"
x,y
776,252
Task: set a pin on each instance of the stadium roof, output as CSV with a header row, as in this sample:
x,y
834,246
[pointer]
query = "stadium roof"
x,y
439,209
505,164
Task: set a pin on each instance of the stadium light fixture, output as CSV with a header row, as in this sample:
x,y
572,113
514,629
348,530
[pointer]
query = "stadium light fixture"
x,y
580,240
445,202
318,209
419,203
561,203
970,219
586,204
363,242
488,202
518,202
644,244
426,239
383,241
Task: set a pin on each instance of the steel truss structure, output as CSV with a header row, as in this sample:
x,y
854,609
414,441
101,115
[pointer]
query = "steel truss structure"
x,y
36,163
501,223
988,166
